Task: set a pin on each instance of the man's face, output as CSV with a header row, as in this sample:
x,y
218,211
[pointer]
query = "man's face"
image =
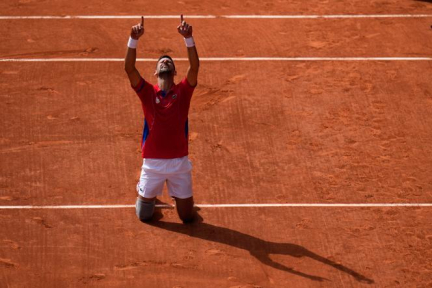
x,y
165,65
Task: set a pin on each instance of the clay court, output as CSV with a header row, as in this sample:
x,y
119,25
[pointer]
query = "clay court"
x,y
310,139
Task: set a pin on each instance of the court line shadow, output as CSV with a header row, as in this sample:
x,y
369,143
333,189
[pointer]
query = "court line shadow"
x,y
258,248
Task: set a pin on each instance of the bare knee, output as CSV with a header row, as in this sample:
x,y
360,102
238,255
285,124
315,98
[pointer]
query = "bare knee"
x,y
185,209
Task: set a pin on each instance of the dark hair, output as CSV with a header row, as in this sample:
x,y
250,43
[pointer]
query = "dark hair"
x,y
166,56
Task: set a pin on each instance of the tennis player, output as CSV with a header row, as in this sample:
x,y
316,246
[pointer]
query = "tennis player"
x,y
165,136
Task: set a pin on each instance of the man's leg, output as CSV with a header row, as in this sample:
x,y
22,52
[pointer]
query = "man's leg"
x,y
145,208
180,188
185,209
149,186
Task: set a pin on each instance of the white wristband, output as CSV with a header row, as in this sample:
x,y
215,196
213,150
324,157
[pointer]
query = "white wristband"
x,y
132,43
189,42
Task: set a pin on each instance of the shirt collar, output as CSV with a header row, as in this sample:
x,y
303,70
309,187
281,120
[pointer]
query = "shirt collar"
x,y
160,92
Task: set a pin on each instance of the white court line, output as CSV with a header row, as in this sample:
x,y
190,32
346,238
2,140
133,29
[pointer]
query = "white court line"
x,y
347,16
327,16
341,205
222,59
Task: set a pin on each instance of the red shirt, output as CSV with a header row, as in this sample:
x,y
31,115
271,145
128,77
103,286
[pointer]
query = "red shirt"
x,y
165,134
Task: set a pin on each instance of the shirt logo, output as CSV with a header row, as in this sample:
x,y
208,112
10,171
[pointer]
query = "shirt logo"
x,y
157,100
174,96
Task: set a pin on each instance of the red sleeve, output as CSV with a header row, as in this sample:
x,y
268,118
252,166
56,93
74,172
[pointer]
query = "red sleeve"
x,y
186,88
140,85
143,89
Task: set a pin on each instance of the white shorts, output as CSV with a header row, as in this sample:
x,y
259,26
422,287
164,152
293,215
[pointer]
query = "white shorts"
x,y
176,172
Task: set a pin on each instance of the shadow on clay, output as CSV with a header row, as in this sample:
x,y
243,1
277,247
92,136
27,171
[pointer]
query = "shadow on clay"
x,y
258,248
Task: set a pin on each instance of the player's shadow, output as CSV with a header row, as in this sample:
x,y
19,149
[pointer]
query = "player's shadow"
x,y
427,1
258,248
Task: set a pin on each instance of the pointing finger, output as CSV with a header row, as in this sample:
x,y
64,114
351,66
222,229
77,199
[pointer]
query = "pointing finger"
x,y
142,21
181,18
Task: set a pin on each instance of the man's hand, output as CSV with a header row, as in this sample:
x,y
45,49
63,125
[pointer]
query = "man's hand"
x,y
138,30
184,29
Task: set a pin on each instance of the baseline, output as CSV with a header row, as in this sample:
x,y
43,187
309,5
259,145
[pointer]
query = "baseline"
x,y
340,16
226,205
222,59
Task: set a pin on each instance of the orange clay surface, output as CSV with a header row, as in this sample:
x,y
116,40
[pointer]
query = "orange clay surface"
x,y
260,132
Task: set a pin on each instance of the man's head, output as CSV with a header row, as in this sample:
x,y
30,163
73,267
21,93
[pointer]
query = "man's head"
x,y
165,66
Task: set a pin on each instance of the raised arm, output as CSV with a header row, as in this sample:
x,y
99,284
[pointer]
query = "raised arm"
x,y
136,32
186,31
